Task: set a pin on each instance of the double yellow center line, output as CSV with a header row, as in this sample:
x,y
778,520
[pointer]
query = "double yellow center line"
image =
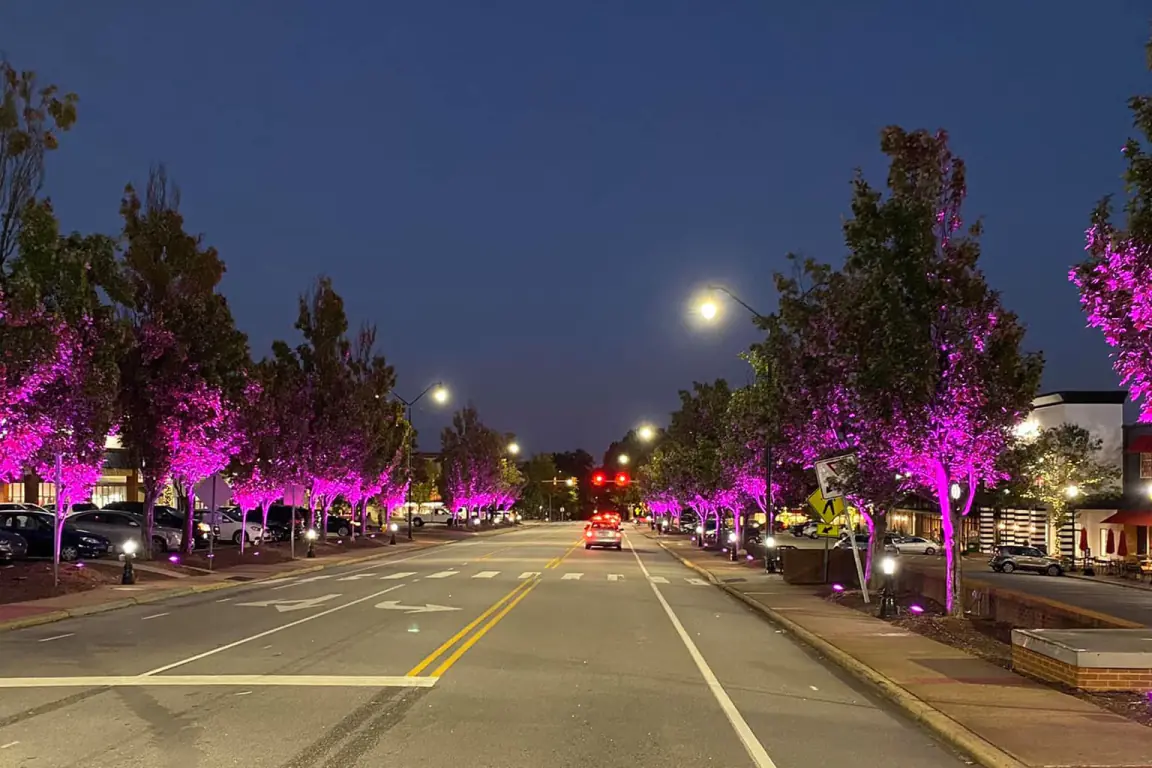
x,y
470,635
501,608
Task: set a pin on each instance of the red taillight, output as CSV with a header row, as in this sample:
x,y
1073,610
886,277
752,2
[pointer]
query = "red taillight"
x,y
588,534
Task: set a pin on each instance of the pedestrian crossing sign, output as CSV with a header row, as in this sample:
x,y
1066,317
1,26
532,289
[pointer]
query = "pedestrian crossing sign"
x,y
827,509
826,530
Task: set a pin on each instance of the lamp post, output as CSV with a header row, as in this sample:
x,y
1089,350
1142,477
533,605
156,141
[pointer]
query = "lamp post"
x,y
887,595
440,395
709,309
128,576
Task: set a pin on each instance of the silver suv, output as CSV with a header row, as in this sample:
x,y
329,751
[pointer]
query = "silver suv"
x,y
1006,559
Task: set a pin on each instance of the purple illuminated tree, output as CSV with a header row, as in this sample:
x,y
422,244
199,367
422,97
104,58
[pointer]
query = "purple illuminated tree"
x,y
1115,280
60,283
204,439
256,470
184,349
935,367
471,463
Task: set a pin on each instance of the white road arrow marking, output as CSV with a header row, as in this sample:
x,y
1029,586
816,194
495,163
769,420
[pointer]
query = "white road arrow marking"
x,y
486,574
697,582
658,579
394,605
356,577
400,575
443,574
292,605
571,577
529,574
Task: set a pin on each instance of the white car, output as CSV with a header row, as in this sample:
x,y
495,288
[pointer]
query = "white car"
x,y
915,545
228,520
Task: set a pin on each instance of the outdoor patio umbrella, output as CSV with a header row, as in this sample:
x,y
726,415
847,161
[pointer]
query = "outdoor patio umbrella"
x,y
1122,549
1110,544
1083,541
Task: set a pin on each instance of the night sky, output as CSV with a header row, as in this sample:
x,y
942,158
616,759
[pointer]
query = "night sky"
x,y
522,196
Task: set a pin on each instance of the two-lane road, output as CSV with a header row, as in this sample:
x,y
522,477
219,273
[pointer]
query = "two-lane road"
x,y
520,651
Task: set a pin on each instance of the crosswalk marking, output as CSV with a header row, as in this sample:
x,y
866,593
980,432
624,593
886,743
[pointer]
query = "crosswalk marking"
x,y
400,575
529,574
486,574
658,579
307,580
443,574
571,577
615,577
697,582
612,577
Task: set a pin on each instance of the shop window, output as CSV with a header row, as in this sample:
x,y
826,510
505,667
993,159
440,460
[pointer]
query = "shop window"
x,y
1146,466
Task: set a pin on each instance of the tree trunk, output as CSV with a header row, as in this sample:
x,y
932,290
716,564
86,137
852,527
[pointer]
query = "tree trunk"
x,y
150,493
188,545
243,527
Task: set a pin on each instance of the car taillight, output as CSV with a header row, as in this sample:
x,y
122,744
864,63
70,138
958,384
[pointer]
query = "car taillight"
x,y
588,534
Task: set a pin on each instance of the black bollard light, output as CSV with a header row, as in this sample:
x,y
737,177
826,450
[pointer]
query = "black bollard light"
x,y
887,594
733,546
392,528
310,534
128,576
770,553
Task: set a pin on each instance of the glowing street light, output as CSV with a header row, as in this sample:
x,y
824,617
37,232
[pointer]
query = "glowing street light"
x,y
514,448
646,432
623,458
570,482
440,394
1072,491
708,309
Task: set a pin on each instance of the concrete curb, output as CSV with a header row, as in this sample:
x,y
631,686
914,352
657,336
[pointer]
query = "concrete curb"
x,y
950,731
1119,584
167,594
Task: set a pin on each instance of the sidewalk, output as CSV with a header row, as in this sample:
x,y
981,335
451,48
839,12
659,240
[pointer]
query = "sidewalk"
x,y
999,718
110,598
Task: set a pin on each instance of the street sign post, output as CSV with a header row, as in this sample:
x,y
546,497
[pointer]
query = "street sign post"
x,y
830,510
294,495
214,491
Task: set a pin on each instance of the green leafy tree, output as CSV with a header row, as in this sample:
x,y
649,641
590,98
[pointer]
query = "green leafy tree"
x,y
182,340
32,117
578,464
1060,467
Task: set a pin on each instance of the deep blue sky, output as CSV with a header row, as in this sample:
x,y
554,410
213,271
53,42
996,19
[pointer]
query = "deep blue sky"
x,y
522,195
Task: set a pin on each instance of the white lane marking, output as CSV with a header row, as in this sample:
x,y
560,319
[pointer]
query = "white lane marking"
x,y
486,574
223,599
356,577
313,681
656,579
615,577
308,580
55,637
753,746
443,574
400,575
394,605
528,574
571,577
154,616
9,744
697,582
267,632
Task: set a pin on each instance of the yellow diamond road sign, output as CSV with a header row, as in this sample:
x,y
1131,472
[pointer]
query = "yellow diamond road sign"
x,y
827,509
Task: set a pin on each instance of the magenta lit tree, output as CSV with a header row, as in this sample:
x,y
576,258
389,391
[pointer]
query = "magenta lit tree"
x,y
257,470
1115,280
935,362
204,439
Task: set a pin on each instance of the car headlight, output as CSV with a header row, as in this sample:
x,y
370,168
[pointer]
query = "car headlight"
x,y
89,540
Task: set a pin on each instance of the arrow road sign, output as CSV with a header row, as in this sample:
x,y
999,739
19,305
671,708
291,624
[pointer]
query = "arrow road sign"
x,y
394,605
292,605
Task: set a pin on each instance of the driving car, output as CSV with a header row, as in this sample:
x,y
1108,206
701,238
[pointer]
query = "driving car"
x,y
1006,559
37,529
602,534
915,545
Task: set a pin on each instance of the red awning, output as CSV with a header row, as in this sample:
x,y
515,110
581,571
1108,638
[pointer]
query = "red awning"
x,y
1130,517
1140,444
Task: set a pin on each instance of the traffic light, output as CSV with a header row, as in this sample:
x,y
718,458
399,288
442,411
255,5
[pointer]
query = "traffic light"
x,y
598,479
622,479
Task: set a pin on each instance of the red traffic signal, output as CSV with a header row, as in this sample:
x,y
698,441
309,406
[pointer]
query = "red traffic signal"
x,y
598,479
622,479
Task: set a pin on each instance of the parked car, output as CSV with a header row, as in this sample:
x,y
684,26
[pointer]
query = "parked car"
x,y
280,518
36,528
80,506
19,506
13,546
167,523
119,528
233,527
1006,559
915,545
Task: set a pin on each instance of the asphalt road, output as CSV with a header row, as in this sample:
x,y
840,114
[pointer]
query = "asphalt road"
x,y
519,651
